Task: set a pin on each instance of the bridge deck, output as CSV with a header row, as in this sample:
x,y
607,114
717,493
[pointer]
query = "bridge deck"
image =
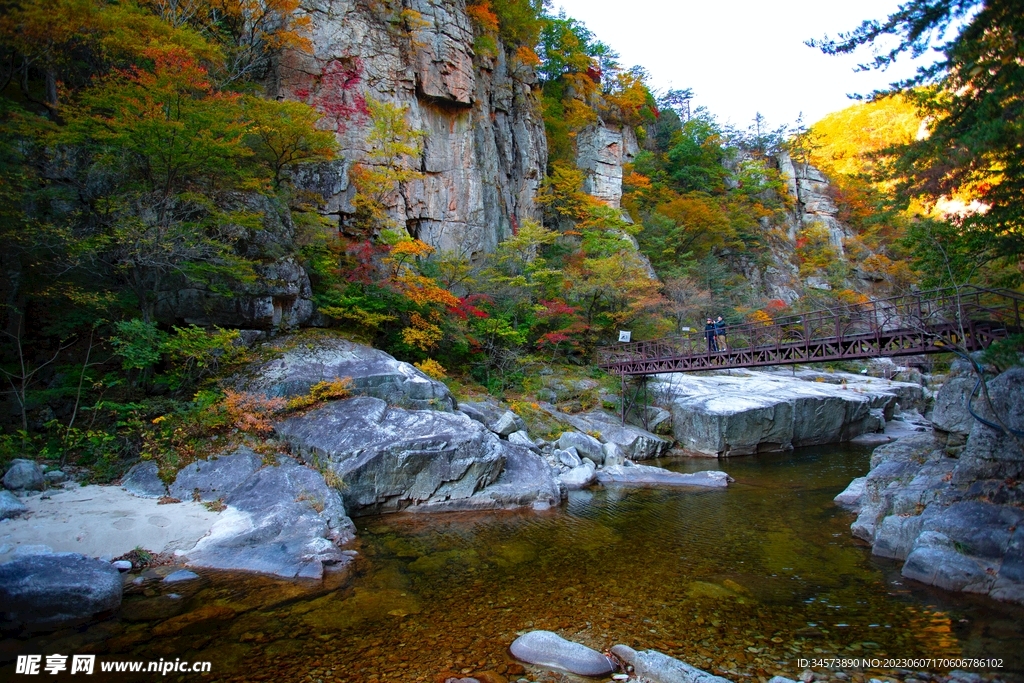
x,y
938,321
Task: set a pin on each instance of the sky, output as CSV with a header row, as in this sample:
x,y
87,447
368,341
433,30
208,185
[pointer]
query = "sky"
x,y
742,57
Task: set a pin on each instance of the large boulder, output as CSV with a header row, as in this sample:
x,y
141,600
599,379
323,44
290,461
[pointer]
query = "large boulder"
x,y
547,649
143,480
50,590
990,452
287,521
949,413
309,359
496,418
390,458
653,666
24,475
584,445
525,480
634,442
580,476
750,412
215,478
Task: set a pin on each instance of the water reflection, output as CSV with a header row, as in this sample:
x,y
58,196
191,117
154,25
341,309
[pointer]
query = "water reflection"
x,y
742,582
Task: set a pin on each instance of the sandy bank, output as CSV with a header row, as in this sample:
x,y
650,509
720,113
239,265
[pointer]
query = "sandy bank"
x,y
99,521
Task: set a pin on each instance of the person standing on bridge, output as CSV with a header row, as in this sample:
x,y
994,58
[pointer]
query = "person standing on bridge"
x,y
720,342
711,332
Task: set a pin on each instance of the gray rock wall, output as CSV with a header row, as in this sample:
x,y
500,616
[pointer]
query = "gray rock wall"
x,y
485,150
601,151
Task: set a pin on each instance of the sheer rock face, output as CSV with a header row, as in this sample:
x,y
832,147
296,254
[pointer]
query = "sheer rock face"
x,y
601,151
485,149
814,204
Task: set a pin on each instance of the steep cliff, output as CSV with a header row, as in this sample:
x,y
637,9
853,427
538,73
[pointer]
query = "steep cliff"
x,y
809,188
484,152
601,152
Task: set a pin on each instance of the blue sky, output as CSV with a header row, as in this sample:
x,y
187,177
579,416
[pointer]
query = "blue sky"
x,y
741,57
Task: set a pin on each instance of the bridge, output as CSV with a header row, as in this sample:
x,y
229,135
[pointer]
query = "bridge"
x,y
937,321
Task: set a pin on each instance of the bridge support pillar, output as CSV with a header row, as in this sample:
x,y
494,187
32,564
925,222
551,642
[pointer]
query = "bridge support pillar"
x,y
632,402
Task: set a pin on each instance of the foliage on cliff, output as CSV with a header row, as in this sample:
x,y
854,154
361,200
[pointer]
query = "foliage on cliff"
x,y
137,159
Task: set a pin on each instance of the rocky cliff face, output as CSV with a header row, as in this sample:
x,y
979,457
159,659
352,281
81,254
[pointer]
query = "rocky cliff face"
x,y
810,189
485,150
601,151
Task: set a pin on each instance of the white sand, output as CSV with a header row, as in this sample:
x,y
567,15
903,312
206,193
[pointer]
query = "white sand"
x,y
105,521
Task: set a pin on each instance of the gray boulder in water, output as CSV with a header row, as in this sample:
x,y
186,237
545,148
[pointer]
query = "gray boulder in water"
x,y
299,366
548,649
291,525
647,475
57,588
651,665
390,459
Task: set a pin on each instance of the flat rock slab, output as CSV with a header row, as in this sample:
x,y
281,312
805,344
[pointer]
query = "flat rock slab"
x,y
646,475
57,588
653,666
301,363
105,520
748,412
215,478
547,649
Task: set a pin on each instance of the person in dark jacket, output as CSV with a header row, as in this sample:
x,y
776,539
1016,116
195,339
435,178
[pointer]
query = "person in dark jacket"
x,y
711,332
720,335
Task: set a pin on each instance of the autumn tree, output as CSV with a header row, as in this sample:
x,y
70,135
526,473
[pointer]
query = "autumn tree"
x,y
971,97
392,144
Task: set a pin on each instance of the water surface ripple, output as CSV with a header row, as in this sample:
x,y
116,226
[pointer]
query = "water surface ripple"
x,y
743,582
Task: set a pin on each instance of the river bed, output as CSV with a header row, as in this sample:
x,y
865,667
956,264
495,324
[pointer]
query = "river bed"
x,y
744,582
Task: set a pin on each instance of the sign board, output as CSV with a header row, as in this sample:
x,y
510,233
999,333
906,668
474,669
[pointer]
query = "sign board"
x,y
625,335
686,329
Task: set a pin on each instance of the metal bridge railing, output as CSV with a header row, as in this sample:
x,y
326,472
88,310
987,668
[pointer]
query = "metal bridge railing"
x,y
950,312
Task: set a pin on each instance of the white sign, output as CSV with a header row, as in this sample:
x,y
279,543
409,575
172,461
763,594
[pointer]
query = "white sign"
x,y
625,335
686,329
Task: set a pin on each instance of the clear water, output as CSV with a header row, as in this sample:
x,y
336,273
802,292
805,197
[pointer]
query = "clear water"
x,y
742,582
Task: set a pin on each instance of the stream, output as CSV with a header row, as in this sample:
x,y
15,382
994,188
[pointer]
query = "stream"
x,y
742,582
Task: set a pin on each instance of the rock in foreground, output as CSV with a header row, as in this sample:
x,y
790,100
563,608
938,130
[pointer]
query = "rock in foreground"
x,y
548,649
390,459
57,588
283,520
651,665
